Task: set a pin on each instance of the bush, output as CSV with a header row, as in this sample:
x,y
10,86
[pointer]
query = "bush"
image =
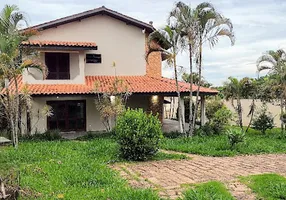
x,y
217,123
235,136
212,107
49,135
173,134
263,120
220,119
138,134
205,130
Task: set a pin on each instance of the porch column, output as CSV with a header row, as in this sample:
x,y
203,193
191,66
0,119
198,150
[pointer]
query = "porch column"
x,y
81,65
203,110
182,116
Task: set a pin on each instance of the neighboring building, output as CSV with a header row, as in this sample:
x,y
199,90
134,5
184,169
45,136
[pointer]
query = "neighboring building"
x,y
81,49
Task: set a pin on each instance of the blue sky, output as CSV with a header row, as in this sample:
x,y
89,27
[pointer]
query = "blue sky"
x,y
259,25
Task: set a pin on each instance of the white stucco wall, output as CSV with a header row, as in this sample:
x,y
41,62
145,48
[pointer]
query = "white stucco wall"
x,y
39,122
117,42
93,123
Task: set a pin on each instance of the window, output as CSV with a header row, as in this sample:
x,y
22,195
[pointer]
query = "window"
x,y
58,65
93,58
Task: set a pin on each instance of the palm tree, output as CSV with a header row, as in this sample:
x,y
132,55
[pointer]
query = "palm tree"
x,y
186,77
234,90
211,26
200,25
11,19
186,23
275,62
12,63
169,41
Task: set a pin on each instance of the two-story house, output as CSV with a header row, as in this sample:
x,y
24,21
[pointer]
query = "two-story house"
x,y
81,49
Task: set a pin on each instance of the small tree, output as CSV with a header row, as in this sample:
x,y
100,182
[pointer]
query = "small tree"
x,y
263,120
220,119
111,103
14,60
234,90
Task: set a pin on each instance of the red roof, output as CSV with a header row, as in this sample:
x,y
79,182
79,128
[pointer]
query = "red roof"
x,y
134,84
59,43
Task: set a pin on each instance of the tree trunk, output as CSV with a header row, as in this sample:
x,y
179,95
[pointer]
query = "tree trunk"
x,y
252,108
199,86
16,126
190,132
239,112
181,124
281,113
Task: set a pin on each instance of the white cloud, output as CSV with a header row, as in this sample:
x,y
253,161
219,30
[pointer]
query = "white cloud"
x,y
259,26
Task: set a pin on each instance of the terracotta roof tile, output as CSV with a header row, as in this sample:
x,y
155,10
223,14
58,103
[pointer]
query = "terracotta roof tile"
x,y
58,43
134,84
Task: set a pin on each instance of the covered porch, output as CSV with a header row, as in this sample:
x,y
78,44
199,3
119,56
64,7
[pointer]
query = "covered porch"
x,y
74,106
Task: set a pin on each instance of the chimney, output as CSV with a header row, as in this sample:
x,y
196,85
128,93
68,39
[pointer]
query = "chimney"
x,y
151,23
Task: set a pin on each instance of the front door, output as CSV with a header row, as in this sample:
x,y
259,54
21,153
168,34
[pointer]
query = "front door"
x,y
67,115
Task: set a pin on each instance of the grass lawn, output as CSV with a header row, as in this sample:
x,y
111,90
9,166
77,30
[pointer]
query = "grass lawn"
x,y
71,169
211,190
218,145
267,186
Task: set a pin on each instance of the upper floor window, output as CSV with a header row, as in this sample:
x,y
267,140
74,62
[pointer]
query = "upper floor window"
x,y
58,65
93,58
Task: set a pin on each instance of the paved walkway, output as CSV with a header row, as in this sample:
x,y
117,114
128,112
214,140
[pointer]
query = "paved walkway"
x,y
169,176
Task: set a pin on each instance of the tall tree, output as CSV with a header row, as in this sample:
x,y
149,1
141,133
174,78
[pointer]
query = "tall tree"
x,y
13,61
168,42
234,90
198,26
211,26
183,16
275,62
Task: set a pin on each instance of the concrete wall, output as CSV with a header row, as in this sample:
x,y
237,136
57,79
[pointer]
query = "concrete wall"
x,y
274,109
117,42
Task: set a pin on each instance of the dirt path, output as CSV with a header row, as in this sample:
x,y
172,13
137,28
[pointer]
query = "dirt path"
x,y
169,176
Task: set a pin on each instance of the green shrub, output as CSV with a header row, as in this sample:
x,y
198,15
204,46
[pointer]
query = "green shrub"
x,y
212,107
263,120
221,119
49,135
173,134
205,130
235,136
138,134
217,123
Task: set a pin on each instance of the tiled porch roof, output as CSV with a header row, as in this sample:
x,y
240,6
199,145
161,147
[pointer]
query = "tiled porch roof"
x,y
134,84
46,43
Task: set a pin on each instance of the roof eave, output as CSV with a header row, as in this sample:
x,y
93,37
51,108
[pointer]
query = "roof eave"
x,y
90,13
59,47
